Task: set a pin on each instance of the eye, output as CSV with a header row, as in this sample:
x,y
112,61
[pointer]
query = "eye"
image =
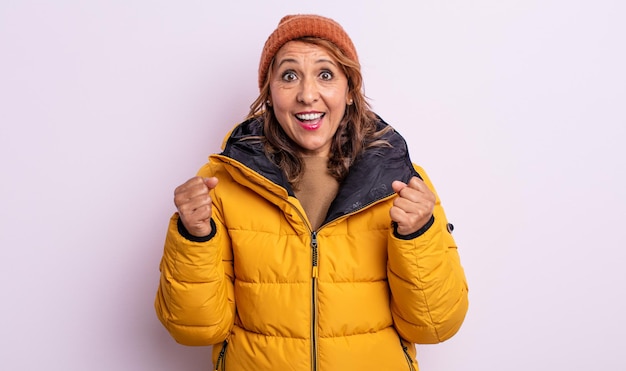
x,y
326,75
289,76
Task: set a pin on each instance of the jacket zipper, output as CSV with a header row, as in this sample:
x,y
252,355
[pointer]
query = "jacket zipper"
x,y
314,273
221,359
314,256
314,261
409,360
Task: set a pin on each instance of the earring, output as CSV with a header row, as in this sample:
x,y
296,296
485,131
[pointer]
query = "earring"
x,y
350,101
268,103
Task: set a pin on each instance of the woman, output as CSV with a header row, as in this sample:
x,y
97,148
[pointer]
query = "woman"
x,y
311,242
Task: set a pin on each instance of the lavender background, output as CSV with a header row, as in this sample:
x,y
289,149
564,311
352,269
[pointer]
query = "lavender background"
x,y
515,108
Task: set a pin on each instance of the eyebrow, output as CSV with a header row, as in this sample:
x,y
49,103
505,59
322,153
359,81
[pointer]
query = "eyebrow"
x,y
292,60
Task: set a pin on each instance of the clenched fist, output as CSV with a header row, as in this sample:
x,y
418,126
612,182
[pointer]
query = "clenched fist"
x,y
194,205
413,207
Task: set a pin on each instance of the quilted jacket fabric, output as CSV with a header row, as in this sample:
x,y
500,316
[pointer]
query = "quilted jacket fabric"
x,y
272,294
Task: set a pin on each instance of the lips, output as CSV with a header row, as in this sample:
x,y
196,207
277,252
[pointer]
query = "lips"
x,y
309,116
310,120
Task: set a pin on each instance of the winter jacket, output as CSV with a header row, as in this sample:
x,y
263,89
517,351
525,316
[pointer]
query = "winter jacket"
x,y
272,294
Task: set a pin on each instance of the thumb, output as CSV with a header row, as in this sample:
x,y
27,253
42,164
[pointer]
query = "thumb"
x,y
210,182
397,186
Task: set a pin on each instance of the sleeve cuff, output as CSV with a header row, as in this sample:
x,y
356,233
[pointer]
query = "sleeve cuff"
x,y
415,234
185,233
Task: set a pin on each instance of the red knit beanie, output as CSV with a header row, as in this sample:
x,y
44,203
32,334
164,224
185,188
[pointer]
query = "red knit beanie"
x,y
292,27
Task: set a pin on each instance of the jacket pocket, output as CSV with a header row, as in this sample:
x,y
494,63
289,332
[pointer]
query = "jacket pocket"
x,y
220,365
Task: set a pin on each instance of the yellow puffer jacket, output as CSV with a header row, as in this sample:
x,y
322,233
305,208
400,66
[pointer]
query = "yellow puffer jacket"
x,y
275,295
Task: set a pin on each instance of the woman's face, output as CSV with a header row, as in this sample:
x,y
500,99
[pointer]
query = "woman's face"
x,y
309,93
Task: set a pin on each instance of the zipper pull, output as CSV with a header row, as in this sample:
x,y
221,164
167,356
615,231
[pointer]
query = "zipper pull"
x,y
221,361
314,253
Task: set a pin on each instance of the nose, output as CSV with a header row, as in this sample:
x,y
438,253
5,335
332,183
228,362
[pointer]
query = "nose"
x,y
308,92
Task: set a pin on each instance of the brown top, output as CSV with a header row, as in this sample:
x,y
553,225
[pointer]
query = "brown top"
x,y
316,190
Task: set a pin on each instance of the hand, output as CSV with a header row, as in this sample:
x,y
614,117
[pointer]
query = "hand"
x,y
413,207
194,205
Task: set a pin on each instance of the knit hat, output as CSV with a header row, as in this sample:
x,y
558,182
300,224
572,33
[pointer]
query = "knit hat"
x,y
292,27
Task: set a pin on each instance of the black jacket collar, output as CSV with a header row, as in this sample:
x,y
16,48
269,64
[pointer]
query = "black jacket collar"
x,y
368,181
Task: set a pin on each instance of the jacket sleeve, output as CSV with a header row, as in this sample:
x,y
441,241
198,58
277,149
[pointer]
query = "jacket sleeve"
x,y
195,297
428,285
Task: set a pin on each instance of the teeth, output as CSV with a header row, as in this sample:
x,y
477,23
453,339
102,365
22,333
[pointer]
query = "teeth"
x,y
309,116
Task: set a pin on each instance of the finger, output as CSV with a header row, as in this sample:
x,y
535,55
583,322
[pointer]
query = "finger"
x,y
192,203
417,184
196,186
211,182
414,183
201,213
187,202
197,193
195,215
189,184
414,211
198,224
397,214
191,188
407,218
411,194
190,200
397,186
408,205
409,221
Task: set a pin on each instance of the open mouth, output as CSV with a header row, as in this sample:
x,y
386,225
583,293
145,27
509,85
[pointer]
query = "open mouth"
x,y
309,116
310,121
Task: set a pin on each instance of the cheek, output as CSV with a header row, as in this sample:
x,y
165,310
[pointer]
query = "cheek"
x,y
339,104
282,125
278,104
338,98
282,117
281,103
